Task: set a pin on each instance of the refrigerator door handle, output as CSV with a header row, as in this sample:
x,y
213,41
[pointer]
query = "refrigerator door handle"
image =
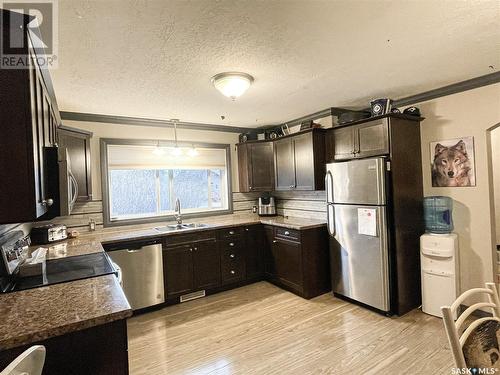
x,y
330,219
329,187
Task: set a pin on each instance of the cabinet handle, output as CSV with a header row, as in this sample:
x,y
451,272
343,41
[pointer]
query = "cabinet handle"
x,y
231,243
274,241
287,233
232,272
291,186
231,256
190,249
47,202
195,248
231,232
250,188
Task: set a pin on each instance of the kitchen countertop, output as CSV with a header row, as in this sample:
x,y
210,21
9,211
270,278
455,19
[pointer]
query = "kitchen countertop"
x,y
91,242
36,314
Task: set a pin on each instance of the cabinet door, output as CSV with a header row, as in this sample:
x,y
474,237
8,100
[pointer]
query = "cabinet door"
x,y
178,270
78,146
206,265
254,246
343,143
269,267
288,263
304,161
329,146
373,138
261,176
284,164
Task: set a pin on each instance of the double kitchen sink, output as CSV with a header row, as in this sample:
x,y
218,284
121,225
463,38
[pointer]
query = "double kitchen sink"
x,y
177,227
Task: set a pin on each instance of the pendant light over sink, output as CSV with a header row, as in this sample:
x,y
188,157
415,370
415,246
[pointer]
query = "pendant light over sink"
x,y
232,84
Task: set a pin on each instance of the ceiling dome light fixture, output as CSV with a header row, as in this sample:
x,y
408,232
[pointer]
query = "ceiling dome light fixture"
x,y
232,84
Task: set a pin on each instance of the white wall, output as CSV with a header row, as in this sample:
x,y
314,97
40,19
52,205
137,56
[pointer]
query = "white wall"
x,y
495,158
104,130
469,113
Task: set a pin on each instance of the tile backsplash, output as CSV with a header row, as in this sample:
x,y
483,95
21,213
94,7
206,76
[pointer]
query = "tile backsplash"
x,y
304,204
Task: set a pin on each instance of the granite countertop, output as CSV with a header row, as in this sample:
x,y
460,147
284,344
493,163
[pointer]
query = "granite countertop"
x,y
36,314
91,242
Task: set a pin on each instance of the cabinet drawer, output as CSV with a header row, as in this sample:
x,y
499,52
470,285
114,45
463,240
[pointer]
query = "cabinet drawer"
x,y
230,232
178,239
233,271
232,255
289,234
235,243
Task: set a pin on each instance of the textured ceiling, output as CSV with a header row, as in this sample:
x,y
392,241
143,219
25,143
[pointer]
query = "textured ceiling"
x,y
155,58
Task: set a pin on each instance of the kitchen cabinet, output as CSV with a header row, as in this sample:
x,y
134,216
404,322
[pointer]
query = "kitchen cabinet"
x,y
254,246
360,140
178,270
77,142
299,161
287,257
255,166
232,251
29,117
206,265
190,262
267,256
298,260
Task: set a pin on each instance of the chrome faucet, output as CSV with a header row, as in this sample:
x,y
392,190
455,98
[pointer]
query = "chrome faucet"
x,y
177,210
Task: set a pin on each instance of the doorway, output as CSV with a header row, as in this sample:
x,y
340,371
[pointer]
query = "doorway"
x,y
494,163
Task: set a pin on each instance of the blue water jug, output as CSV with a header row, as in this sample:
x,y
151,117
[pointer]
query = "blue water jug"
x,y
438,214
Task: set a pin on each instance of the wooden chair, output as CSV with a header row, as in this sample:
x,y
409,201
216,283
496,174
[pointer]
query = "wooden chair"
x,y
463,338
30,362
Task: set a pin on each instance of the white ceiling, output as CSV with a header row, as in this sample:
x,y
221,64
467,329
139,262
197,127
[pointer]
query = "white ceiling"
x,y
155,58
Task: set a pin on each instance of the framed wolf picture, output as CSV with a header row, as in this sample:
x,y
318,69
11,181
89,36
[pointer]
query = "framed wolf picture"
x,y
453,162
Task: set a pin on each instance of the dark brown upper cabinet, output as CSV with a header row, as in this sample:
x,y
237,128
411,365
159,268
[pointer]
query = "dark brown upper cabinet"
x,y
255,166
77,142
29,116
359,141
299,161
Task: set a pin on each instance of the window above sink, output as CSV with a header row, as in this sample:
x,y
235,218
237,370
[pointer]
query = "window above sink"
x,y
141,184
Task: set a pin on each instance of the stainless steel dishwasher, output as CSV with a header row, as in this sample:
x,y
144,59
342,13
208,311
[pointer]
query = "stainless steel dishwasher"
x,y
141,265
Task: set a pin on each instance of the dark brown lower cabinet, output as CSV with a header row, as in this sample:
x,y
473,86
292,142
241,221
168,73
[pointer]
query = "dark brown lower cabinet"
x,y
287,257
255,243
299,260
178,270
296,260
100,350
206,265
190,266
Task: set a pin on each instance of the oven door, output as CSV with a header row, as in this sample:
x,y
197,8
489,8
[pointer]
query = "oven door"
x,y
68,187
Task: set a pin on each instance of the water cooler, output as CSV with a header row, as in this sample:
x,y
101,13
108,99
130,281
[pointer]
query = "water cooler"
x,y
439,258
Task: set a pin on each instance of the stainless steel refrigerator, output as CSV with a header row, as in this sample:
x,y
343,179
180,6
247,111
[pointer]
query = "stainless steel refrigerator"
x,y
357,212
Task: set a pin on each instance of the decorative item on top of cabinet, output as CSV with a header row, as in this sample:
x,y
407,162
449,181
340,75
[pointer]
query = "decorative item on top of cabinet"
x,y
29,117
255,166
77,142
367,137
299,161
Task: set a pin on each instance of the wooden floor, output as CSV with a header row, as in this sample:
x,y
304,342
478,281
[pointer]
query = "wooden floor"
x,y
261,329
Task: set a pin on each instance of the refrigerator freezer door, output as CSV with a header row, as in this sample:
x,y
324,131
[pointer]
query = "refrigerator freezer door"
x,y
357,181
359,262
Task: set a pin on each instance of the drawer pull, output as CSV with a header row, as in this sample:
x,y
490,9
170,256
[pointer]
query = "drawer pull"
x,y
232,272
287,233
246,229
231,244
231,256
274,241
231,232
